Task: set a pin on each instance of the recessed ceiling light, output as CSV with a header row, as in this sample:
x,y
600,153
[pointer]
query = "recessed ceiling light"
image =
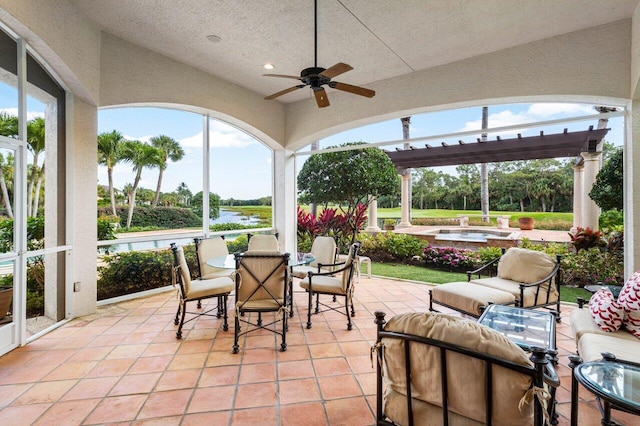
x,y
269,66
214,38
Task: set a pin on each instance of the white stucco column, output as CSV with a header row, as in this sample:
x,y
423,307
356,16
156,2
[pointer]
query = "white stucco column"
x,y
82,151
372,221
631,190
404,200
577,195
590,210
284,198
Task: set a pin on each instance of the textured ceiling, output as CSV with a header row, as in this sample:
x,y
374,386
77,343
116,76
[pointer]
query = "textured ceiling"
x,y
381,39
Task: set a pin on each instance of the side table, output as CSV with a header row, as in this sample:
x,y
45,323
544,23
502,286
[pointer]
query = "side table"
x,y
615,383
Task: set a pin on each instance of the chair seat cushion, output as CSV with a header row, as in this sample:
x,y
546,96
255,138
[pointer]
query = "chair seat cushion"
x,y
302,270
582,323
591,346
261,305
200,289
514,288
470,297
324,284
220,273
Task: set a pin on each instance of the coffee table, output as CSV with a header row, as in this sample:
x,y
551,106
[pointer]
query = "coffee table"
x,y
616,384
524,327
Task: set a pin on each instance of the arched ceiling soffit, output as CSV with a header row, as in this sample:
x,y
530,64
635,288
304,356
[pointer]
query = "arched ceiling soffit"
x,y
233,121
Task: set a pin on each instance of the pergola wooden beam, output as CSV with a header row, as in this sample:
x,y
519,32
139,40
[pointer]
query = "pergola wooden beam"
x,y
566,144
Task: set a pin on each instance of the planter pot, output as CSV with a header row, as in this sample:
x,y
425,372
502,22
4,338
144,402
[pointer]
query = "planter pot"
x,y
525,223
388,227
6,297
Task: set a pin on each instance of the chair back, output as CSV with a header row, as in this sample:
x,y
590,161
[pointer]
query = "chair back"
x,y
460,372
349,266
263,242
324,249
261,279
183,274
208,248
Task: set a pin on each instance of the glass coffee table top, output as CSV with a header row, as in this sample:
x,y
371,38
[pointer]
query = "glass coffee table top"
x,y
229,261
525,327
617,383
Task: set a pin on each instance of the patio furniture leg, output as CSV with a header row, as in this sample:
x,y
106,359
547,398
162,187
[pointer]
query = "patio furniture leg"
x,y
317,303
575,360
309,310
199,304
235,334
176,321
285,327
225,326
346,305
184,312
259,318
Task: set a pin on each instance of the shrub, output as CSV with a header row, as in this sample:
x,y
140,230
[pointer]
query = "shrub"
x,y
158,217
586,238
239,244
451,258
388,246
592,265
131,272
611,220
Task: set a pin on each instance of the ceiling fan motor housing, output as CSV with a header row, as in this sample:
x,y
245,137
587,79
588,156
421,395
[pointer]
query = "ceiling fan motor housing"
x,y
312,77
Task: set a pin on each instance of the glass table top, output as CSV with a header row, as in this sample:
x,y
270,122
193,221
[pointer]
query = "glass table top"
x,y
616,382
229,261
525,327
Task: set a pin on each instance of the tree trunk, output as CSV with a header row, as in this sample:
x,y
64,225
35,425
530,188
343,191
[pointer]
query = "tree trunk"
x,y
36,195
464,202
522,204
5,194
111,192
34,169
157,197
132,198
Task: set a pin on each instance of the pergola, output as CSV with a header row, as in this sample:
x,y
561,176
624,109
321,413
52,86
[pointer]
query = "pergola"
x,y
584,145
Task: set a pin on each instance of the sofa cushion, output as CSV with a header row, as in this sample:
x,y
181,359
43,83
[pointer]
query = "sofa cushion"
x,y
582,323
513,287
591,346
466,375
629,300
605,311
525,266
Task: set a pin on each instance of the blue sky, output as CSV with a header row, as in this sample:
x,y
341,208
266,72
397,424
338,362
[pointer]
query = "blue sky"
x,y
241,165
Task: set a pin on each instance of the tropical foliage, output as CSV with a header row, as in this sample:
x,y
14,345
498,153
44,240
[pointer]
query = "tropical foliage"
x,y
341,226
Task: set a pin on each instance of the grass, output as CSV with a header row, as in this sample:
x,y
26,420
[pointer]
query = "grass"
x,y
433,276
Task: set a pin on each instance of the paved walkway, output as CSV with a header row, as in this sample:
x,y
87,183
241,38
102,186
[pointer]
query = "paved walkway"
x,y
125,366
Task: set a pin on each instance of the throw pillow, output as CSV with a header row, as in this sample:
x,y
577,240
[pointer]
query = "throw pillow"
x,y
629,299
606,312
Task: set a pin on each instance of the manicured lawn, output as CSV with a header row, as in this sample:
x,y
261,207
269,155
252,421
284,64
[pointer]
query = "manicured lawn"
x,y
433,276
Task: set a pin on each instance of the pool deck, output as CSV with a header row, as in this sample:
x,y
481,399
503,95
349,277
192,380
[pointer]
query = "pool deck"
x,y
536,235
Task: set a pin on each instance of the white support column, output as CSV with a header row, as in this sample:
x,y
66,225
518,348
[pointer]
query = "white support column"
x,y
284,198
404,200
372,223
631,190
577,196
590,210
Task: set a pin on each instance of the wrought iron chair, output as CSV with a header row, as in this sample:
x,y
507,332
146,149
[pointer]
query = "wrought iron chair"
x,y
196,290
440,369
263,242
208,248
338,282
261,287
325,250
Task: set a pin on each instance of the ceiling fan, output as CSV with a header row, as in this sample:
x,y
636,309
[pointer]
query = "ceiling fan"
x,y
316,77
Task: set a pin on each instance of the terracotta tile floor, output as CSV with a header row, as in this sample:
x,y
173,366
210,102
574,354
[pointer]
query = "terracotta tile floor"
x,y
124,365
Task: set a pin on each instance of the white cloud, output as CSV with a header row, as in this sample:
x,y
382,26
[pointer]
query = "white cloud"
x,y
30,114
551,109
145,138
221,136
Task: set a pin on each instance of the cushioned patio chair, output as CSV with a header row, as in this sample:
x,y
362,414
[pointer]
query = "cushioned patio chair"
x,y
206,249
436,369
263,242
338,282
325,250
195,290
262,280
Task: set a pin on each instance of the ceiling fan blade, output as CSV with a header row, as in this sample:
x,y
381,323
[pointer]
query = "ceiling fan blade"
x,y
336,70
284,92
321,97
353,89
282,76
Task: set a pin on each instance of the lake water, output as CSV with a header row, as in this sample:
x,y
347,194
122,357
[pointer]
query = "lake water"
x,y
226,216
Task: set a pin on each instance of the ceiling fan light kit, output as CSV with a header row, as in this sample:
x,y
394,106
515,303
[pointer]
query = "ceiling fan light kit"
x,y
315,77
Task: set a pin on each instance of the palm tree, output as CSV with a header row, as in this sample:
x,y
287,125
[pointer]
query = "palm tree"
x,y
8,125
35,143
170,149
109,156
140,155
6,168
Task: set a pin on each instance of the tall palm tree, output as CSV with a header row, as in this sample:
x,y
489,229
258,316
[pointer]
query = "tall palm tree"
x,y
8,125
169,149
109,155
141,156
35,143
6,167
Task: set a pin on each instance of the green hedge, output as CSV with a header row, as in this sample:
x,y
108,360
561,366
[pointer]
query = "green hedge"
x,y
158,217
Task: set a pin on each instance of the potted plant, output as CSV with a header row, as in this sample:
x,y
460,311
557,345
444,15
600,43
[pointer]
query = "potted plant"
x,y
6,297
389,224
525,223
